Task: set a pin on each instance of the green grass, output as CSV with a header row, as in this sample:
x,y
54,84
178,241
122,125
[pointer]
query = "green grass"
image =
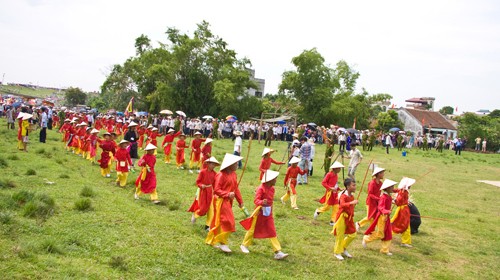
x,y
36,92
124,238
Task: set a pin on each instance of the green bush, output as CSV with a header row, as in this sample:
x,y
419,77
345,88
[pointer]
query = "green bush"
x,y
30,172
7,184
13,157
83,204
118,262
23,197
42,206
87,192
3,162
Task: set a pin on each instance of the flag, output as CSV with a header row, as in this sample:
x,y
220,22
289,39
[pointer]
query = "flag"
x,y
456,109
354,124
129,108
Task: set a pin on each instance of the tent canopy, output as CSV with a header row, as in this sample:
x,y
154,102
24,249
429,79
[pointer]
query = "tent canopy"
x,y
272,120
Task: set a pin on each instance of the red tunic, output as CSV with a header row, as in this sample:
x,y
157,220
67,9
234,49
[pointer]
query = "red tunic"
x,y
93,145
123,160
224,184
180,146
201,206
402,220
265,164
152,139
291,177
264,226
206,153
106,146
169,139
148,185
330,182
345,206
383,208
196,149
373,197
19,131
141,132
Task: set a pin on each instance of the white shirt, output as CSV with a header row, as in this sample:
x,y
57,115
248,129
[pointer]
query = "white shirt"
x,y
356,157
237,144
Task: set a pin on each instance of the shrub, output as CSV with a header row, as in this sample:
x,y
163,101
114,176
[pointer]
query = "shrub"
x,y
3,162
64,176
51,247
118,262
42,206
23,197
7,184
87,192
30,172
83,204
13,157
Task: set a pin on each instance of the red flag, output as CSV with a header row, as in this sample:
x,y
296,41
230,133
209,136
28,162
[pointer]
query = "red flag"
x,y
129,108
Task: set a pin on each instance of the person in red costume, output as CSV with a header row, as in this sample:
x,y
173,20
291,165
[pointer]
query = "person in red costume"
x,y
261,223
344,229
123,163
381,226
64,129
330,199
266,161
372,198
108,148
167,143
180,145
202,204
225,191
401,219
92,145
146,181
195,158
19,118
291,181
142,132
206,152
152,138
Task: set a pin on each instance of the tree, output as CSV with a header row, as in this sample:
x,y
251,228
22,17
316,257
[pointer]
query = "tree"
x,y
388,120
75,96
447,110
471,126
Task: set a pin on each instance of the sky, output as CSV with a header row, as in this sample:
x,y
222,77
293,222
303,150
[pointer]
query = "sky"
x,y
449,50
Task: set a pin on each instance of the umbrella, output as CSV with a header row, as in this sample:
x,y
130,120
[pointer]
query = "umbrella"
x,y
166,112
141,113
207,117
231,117
16,104
180,113
341,129
352,130
312,124
281,122
120,114
394,129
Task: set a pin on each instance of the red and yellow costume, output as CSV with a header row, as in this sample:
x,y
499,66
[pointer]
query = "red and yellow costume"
x,y
290,182
330,198
371,202
381,226
123,161
206,153
146,182
108,148
167,144
265,164
141,131
344,229
179,157
195,158
92,148
202,205
401,219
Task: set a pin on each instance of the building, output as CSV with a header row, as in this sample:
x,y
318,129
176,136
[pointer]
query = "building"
x,y
423,121
421,103
259,92
483,112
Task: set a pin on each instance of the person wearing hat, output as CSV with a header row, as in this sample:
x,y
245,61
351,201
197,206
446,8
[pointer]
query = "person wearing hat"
x,y
92,145
381,226
132,136
25,130
195,156
330,199
261,223
238,142
64,130
108,148
152,138
123,163
79,138
291,181
401,219
167,143
206,151
146,181
180,145
266,161
119,127
225,191
344,229
202,204
142,131
372,198
86,143
19,118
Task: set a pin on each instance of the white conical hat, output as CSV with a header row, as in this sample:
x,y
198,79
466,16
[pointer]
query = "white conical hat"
x,y
154,129
266,151
150,147
238,133
170,130
27,116
213,160
119,121
294,160
406,182
106,133
94,131
21,115
123,141
197,133
269,175
229,159
336,165
387,183
209,140
83,123
377,170
67,120
150,126
132,123
75,119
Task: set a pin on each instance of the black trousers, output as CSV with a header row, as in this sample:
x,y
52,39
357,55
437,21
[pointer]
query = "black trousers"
x,y
43,134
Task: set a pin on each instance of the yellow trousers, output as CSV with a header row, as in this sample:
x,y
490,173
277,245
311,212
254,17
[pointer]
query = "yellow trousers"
x,y
122,178
293,198
365,221
196,164
248,240
106,171
152,196
405,236
379,234
342,240
216,235
168,156
209,215
327,207
20,145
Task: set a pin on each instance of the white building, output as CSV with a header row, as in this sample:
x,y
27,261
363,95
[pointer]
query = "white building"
x,y
422,121
259,92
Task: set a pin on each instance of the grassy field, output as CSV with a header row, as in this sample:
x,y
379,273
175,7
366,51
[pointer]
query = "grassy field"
x,y
60,219
38,92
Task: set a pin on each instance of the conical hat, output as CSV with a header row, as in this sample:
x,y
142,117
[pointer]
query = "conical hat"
x,y
94,131
170,130
154,129
67,120
27,116
150,147
266,151
377,170
387,183
269,176
119,121
150,126
336,165
213,160
197,133
238,133
294,160
209,140
229,160
132,123
106,133
83,123
20,116
123,141
406,182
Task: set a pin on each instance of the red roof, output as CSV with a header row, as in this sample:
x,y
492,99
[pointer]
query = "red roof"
x,y
417,100
434,119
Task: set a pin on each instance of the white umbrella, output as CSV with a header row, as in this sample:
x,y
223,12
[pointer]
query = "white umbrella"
x,y
341,129
180,113
207,117
166,112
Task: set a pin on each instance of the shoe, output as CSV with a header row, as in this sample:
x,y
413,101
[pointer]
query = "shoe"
x,y
224,248
345,253
193,219
316,214
282,201
300,183
339,257
191,171
364,243
108,175
207,228
156,201
332,223
280,255
389,254
295,208
244,249
406,245
136,196
358,227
